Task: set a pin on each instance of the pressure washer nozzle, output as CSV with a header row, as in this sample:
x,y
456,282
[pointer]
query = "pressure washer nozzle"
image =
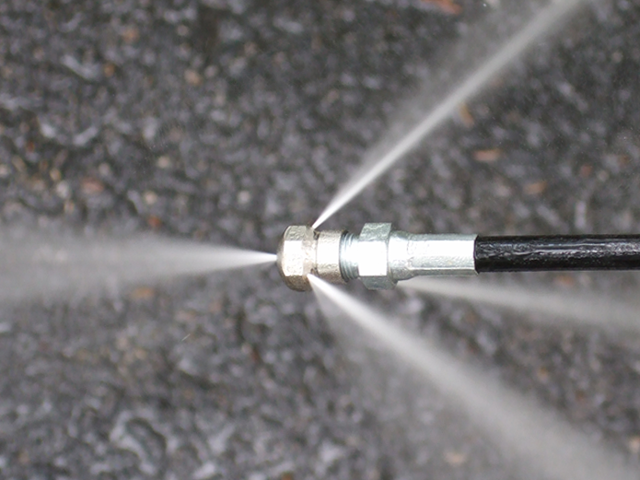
x,y
378,256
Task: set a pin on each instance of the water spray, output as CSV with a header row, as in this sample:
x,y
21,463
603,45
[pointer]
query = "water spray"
x,y
372,168
381,257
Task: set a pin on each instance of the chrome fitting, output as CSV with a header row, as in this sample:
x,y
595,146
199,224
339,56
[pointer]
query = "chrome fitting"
x,y
373,256
378,256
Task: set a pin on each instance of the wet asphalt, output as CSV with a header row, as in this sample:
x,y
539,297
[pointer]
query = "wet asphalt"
x,y
225,121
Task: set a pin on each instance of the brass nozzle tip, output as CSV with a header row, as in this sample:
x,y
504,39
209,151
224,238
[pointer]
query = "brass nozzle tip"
x,y
296,257
304,251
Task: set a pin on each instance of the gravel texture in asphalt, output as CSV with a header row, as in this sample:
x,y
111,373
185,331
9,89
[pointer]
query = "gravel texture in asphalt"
x,y
224,121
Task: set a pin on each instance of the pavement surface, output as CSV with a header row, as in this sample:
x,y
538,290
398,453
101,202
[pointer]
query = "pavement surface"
x,y
227,120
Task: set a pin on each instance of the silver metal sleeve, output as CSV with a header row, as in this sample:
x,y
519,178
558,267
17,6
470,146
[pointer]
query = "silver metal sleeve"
x,y
411,255
327,264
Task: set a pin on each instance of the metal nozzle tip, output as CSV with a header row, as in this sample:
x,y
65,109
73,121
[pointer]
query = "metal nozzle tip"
x,y
303,252
296,257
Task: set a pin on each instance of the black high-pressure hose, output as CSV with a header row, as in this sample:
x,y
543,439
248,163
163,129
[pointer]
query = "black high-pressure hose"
x,y
381,257
571,252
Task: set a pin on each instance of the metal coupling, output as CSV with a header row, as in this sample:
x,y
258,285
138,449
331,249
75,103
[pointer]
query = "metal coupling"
x,y
379,256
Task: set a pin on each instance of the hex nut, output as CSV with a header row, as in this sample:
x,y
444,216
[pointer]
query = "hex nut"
x,y
373,253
